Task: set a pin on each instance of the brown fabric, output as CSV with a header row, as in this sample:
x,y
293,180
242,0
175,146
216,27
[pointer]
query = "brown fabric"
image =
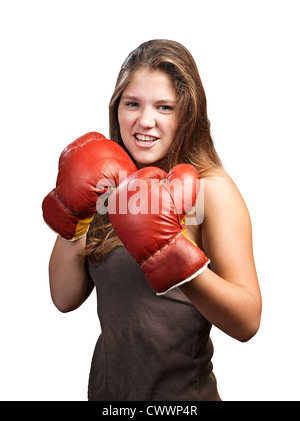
x,y
152,348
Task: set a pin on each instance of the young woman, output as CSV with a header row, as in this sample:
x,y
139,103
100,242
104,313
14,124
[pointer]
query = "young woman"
x,y
157,347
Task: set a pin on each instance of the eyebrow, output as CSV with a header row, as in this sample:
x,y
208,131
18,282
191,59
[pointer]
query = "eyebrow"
x,y
131,97
160,101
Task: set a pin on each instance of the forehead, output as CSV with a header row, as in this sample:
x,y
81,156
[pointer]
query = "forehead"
x,y
150,84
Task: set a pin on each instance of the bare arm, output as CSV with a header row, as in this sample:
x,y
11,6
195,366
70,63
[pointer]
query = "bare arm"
x,y
69,284
228,295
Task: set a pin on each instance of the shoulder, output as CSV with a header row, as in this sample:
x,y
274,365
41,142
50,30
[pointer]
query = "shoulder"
x,y
221,195
218,195
218,179
226,230
220,210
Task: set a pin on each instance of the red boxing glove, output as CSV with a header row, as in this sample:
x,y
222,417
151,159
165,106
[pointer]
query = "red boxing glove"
x,y
153,231
88,168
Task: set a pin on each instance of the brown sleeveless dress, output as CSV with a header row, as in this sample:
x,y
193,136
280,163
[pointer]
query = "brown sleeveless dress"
x,y
152,348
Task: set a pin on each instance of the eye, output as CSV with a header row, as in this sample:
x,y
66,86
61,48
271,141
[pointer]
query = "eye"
x,y
166,108
131,104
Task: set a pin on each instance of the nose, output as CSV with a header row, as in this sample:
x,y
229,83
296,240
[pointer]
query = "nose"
x,y
146,118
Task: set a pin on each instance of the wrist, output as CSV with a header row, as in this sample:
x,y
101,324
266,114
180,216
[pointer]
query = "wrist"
x,y
62,220
175,264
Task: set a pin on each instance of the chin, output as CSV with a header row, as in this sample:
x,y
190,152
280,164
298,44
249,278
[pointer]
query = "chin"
x,y
161,163
143,164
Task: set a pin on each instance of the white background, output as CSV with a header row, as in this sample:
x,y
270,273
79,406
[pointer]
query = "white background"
x,y
59,63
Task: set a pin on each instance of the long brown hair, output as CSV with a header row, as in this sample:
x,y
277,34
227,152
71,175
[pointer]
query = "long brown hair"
x,y
192,144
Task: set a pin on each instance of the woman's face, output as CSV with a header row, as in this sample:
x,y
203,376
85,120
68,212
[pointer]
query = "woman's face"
x,y
148,117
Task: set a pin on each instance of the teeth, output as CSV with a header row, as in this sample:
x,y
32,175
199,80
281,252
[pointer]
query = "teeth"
x,y
145,138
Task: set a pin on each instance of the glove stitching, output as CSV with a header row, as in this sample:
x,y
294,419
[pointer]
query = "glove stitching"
x,y
163,248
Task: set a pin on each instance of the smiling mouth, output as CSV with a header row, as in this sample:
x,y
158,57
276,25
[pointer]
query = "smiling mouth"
x,y
145,138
